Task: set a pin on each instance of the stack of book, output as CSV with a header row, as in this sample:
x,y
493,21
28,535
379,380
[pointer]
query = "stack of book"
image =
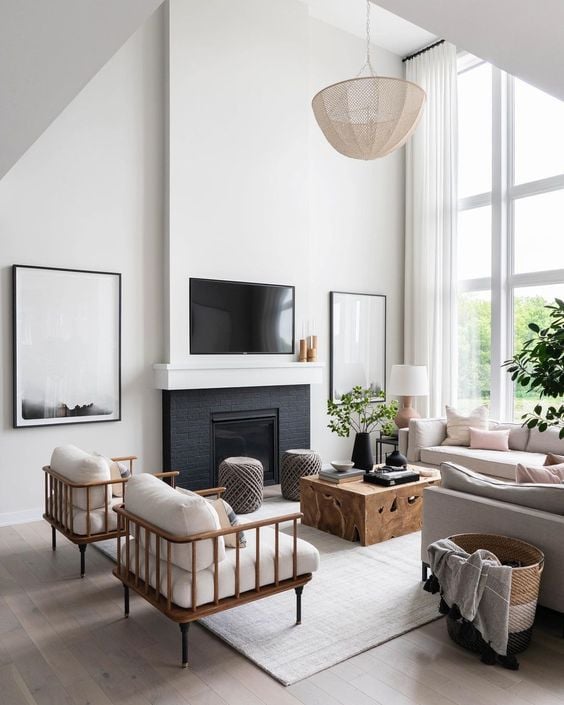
x,y
339,477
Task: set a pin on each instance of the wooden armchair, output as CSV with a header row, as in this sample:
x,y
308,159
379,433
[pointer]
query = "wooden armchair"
x,y
187,577
81,511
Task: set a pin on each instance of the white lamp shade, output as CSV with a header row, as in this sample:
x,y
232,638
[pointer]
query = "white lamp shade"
x,y
409,381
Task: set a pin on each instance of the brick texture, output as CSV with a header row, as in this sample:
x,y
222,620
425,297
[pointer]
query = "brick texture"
x,y
187,419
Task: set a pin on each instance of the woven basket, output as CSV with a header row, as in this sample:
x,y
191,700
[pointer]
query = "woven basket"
x,y
525,583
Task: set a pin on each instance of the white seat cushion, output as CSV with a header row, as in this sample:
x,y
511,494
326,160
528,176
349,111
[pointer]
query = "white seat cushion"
x,y
97,519
177,513
308,562
489,462
81,467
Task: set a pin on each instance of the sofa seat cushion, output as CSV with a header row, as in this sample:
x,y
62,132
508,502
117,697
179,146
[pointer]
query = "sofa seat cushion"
x,y
81,467
178,514
546,498
308,562
489,462
97,519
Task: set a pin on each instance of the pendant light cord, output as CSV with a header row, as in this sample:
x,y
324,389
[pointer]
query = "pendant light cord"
x,y
367,63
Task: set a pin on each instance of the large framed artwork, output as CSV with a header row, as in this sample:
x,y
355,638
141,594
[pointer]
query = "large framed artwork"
x,y
358,343
66,346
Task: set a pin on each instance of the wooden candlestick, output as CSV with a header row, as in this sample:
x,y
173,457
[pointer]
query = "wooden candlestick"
x,y
312,349
303,350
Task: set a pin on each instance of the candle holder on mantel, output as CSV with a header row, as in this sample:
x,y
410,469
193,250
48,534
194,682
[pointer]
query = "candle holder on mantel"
x,y
312,349
303,350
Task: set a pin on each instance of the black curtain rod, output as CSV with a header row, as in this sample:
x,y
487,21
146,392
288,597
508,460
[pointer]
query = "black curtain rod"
x,y
422,51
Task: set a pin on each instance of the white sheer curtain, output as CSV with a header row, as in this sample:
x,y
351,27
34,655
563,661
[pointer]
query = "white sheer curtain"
x,y
431,173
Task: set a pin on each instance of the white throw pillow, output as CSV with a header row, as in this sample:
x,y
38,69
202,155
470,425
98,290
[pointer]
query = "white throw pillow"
x,y
458,425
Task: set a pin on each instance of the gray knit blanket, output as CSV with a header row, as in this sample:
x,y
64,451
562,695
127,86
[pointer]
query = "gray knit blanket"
x,y
478,585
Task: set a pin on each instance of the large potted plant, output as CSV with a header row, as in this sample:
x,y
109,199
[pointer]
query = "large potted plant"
x,y
539,367
358,411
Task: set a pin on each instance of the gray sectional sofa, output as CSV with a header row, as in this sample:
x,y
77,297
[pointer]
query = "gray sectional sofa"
x,y
422,444
467,502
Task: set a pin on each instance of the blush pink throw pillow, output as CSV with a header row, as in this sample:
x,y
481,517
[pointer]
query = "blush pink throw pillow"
x,y
547,474
489,440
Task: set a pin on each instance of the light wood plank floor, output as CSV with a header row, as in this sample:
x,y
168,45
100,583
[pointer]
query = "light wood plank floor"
x,y
63,641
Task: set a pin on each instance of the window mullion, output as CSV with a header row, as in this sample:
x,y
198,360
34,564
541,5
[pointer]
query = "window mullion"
x,y
500,252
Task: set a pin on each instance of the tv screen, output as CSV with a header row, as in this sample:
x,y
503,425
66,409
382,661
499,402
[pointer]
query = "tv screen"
x,y
240,318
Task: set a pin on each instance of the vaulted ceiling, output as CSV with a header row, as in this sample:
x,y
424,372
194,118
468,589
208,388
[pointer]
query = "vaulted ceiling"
x,y
49,50
522,37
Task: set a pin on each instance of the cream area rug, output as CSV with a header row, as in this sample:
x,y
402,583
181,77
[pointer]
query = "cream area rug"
x,y
360,597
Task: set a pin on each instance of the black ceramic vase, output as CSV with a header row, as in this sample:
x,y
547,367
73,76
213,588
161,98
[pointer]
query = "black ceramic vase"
x,y
396,459
362,452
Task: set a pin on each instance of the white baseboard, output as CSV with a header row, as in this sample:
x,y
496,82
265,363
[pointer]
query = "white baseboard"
x,y
9,518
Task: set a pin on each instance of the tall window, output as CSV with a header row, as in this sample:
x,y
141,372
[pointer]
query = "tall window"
x,y
510,243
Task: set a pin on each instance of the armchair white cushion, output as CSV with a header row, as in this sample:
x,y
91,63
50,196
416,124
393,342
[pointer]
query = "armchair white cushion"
x,y
307,562
78,466
179,514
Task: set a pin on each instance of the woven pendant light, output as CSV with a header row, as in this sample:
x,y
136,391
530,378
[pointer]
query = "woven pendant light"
x,y
368,117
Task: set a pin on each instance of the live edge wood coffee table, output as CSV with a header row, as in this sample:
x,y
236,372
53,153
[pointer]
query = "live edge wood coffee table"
x,y
359,511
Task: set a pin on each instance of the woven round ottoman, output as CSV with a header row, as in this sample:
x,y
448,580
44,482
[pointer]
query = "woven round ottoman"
x,y
243,479
297,463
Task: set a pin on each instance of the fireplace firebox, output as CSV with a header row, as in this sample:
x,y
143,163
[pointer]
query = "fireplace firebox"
x,y
251,434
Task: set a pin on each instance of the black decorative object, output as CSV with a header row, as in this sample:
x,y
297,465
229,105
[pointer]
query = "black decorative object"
x,y
362,452
396,459
66,346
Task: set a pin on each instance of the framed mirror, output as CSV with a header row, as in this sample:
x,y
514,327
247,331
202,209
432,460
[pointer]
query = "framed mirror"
x,y
357,343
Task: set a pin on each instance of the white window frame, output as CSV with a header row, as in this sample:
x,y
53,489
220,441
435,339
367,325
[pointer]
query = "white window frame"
x,y
503,280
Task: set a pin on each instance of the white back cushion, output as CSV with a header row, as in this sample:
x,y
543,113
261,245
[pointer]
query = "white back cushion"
x,y
81,467
545,442
518,434
179,514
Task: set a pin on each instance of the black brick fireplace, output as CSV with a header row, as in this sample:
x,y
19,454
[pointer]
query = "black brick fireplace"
x,y
202,425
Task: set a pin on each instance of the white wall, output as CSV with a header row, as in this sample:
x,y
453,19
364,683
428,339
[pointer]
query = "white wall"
x,y
356,216
255,191
48,52
89,195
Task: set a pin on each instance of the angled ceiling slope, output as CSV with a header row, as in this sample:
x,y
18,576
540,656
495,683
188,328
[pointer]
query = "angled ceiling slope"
x,y
522,37
48,53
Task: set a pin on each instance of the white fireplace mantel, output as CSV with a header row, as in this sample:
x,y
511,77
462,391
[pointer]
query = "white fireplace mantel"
x,y
217,374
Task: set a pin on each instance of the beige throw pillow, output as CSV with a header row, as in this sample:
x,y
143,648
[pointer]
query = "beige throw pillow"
x,y
546,474
553,459
226,516
118,471
227,519
458,425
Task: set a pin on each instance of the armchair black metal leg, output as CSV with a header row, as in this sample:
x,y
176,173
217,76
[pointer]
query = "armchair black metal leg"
x,y
125,600
184,633
424,573
82,548
299,591
53,538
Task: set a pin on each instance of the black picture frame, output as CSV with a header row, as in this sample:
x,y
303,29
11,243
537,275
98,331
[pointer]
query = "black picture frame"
x,y
333,352
29,309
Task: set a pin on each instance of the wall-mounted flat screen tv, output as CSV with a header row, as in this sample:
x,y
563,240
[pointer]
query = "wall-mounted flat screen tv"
x,y
229,318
